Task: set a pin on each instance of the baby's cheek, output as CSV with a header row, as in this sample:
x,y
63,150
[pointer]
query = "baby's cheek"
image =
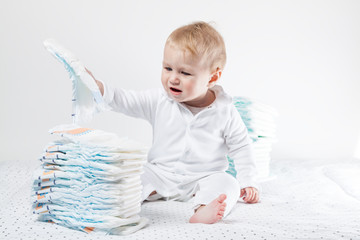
x,y
193,89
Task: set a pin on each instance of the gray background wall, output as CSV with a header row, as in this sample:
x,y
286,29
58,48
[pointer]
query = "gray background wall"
x,y
301,57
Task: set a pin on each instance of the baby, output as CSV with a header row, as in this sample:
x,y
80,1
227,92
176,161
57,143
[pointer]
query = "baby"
x,y
195,125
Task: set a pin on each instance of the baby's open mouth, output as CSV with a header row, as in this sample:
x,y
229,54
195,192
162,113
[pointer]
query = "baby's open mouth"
x,y
175,89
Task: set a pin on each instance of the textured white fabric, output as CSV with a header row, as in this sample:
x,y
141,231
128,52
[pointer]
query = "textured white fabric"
x,y
347,176
189,145
301,203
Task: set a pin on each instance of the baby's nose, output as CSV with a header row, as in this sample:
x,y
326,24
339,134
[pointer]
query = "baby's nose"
x,y
175,80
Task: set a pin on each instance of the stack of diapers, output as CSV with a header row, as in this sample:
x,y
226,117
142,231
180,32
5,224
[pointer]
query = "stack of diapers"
x,y
259,119
90,180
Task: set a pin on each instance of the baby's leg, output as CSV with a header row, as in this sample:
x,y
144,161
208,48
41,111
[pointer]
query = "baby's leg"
x,y
147,179
156,184
217,195
210,213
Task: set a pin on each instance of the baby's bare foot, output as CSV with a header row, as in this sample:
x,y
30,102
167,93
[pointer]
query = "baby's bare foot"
x,y
211,213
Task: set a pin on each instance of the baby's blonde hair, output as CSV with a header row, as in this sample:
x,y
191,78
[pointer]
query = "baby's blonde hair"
x,y
200,39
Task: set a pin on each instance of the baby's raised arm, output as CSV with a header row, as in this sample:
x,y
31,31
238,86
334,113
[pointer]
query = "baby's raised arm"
x,y
132,103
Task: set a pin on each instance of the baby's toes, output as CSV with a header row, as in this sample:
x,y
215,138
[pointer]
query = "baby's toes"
x,y
221,198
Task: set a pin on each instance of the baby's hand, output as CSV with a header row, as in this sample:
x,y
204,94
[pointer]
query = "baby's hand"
x,y
100,85
251,195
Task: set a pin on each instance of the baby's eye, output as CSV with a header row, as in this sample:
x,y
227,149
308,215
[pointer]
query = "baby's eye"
x,y
186,73
168,69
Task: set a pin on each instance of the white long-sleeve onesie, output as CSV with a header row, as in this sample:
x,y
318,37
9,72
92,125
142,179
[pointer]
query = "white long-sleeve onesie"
x,y
187,147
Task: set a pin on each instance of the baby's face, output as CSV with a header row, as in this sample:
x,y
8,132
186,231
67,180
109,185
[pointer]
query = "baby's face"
x,y
185,78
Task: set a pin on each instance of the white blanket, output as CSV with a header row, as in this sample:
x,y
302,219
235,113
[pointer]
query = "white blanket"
x,y
347,176
301,202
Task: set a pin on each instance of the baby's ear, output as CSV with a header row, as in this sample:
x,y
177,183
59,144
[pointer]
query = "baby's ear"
x,y
214,78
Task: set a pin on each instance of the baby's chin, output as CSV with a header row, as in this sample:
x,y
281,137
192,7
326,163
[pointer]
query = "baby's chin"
x,y
177,98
